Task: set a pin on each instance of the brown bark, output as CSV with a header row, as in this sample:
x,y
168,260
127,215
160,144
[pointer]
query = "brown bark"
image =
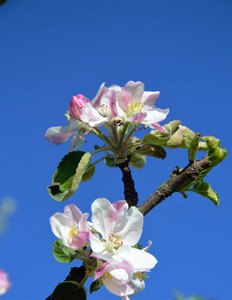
x,y
177,180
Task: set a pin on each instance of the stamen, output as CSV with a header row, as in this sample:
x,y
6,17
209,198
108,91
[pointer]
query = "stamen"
x,y
67,115
107,275
113,242
104,110
141,275
134,106
73,231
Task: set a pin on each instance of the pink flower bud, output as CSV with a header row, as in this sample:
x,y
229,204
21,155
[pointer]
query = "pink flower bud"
x,y
76,104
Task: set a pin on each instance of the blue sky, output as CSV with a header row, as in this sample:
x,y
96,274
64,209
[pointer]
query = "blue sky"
x,y
52,50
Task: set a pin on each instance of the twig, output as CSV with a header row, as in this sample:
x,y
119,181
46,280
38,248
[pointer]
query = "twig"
x,y
177,180
131,196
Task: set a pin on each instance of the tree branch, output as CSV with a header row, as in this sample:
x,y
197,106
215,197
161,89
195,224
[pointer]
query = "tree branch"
x,y
177,180
131,196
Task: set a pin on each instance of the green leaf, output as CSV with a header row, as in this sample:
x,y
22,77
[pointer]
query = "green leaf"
x,y
158,138
137,161
216,155
193,147
68,175
62,253
88,173
152,150
203,188
110,162
95,285
215,152
175,140
69,290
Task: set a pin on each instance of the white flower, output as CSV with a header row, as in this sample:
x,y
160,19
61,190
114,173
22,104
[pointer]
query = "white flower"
x,y
119,229
71,227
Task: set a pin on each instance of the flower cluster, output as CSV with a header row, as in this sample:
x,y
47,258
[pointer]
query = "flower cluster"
x,y
112,238
4,283
113,108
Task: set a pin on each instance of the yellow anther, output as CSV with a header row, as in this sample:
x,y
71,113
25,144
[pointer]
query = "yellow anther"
x,y
67,115
141,276
107,275
73,231
113,242
134,106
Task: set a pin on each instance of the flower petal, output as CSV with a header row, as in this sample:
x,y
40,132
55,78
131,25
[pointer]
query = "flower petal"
x,y
149,98
60,225
139,259
95,243
90,116
60,134
100,92
131,233
158,127
137,117
73,213
155,115
131,91
116,289
77,140
104,216
79,240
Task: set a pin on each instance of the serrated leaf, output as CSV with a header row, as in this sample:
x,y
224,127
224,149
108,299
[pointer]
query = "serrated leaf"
x,y
204,189
69,290
95,285
137,161
68,175
62,253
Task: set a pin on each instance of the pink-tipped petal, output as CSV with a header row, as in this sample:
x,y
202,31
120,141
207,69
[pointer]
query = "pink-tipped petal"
x,y
73,213
104,216
100,92
158,127
137,117
131,91
149,98
90,116
79,240
60,134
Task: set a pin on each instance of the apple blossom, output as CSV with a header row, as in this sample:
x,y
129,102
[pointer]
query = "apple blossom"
x,y
71,227
111,107
135,105
118,229
4,283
